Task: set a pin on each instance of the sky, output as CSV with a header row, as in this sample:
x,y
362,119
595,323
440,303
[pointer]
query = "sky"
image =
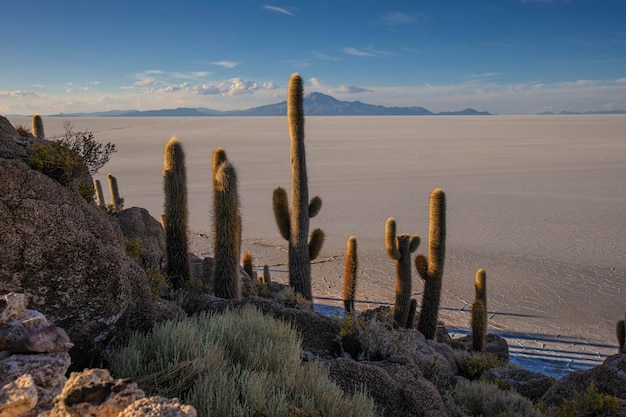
x,y
501,56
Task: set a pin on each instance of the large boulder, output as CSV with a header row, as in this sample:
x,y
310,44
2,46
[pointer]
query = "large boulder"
x,y
531,385
12,146
137,223
70,261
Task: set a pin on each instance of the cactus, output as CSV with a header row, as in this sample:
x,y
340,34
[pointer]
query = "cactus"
x,y
479,326
293,222
621,336
248,260
431,269
399,248
116,200
412,310
37,125
99,196
267,278
349,276
175,217
227,227
480,286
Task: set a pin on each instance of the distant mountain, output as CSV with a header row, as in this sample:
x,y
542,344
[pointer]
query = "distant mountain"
x,y
315,104
587,112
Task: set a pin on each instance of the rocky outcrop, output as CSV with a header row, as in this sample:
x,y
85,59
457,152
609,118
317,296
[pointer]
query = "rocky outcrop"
x,y
531,385
12,146
137,223
70,261
34,358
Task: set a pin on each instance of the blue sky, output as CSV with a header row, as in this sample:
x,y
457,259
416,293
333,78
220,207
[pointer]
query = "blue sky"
x,y
503,56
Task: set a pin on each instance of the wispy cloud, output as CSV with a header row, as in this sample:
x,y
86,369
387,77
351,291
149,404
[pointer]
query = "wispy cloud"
x,y
277,10
485,75
349,89
18,93
359,52
226,64
270,86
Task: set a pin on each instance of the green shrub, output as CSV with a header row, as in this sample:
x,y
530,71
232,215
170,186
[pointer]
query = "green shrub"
x,y
590,403
159,285
487,400
473,365
240,363
56,161
133,247
94,154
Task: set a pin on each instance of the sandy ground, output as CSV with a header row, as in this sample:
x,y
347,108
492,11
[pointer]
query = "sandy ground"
x,y
539,202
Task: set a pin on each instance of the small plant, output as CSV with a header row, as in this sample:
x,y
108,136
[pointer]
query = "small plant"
x,y
23,131
590,403
133,247
159,285
56,161
349,332
472,366
478,398
94,154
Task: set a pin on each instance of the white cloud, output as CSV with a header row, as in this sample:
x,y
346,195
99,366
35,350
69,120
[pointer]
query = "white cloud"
x,y
191,75
148,81
173,88
315,83
18,93
226,64
349,89
278,10
206,89
270,86
357,52
239,86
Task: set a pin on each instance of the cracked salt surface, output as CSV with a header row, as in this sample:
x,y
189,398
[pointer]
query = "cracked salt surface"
x,y
537,201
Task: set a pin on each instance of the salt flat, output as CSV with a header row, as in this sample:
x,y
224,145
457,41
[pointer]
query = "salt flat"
x,y
539,202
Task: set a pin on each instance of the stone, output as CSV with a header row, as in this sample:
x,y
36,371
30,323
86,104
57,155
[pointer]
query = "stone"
x,y
137,223
12,146
168,310
494,344
396,386
12,307
94,393
69,259
19,397
531,385
158,407
47,339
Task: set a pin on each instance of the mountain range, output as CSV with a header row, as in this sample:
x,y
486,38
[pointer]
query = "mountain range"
x,y
315,104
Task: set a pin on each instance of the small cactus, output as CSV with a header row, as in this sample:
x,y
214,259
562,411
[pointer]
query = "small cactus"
x,y
431,269
248,261
174,220
99,196
480,286
267,278
37,125
227,227
479,326
621,336
399,248
293,222
349,276
116,200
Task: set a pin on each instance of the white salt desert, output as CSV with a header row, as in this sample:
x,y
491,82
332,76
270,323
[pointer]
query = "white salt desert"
x,y
539,202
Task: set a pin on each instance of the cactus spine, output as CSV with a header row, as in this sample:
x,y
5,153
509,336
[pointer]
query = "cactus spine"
x,y
399,248
227,227
479,326
293,222
431,269
176,214
99,196
621,336
116,200
349,276
37,125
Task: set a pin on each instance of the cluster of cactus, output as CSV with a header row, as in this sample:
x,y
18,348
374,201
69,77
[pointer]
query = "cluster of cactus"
x,y
399,248
479,312
349,276
226,227
175,217
431,269
117,203
293,222
621,336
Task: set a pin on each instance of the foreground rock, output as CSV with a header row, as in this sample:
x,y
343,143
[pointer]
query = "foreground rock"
x,y
137,223
70,261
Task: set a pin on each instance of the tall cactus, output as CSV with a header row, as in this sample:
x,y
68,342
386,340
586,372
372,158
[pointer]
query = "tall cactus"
x,y
177,269
399,248
116,200
293,222
479,326
37,125
99,196
621,336
431,269
227,227
349,276
480,286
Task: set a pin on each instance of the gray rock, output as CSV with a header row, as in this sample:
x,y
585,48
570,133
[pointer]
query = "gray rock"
x,y
12,307
495,344
12,146
137,223
70,261
48,339
19,397
531,385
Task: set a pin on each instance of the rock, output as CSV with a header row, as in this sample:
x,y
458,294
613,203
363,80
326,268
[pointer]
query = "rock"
x,y
531,385
137,223
158,407
70,261
19,397
12,146
93,392
495,344
12,307
48,339
47,371
609,378
398,388
168,310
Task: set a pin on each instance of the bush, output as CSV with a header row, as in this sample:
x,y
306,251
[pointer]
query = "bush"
x,y
94,154
23,131
487,400
590,403
240,363
473,365
56,161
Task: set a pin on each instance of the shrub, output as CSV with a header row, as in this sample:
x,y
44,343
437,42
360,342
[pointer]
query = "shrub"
x,y
94,154
240,363
133,247
590,403
487,400
473,365
159,285
23,131
56,161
